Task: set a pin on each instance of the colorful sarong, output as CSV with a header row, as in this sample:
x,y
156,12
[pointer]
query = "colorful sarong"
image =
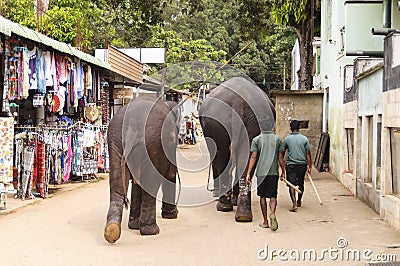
x,y
41,167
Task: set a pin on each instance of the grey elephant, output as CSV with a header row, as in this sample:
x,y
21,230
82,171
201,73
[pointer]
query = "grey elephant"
x,y
231,116
142,141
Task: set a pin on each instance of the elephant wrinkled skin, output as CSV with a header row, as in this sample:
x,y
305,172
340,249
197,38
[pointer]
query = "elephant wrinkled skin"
x,y
142,141
231,116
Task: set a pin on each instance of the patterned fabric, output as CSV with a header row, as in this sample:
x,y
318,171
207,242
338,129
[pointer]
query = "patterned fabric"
x,y
68,159
41,71
27,172
100,150
106,155
41,166
78,155
35,164
32,70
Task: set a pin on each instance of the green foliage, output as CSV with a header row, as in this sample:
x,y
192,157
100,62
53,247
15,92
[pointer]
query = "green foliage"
x,y
179,50
63,20
20,11
230,25
288,12
254,17
191,30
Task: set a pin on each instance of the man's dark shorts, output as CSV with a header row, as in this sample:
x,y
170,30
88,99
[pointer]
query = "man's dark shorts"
x,y
268,187
295,174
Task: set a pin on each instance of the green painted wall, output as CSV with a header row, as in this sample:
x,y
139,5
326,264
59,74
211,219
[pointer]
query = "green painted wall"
x,y
395,15
360,19
370,94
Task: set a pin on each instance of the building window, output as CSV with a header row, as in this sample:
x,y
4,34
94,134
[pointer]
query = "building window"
x,y
303,124
395,159
350,150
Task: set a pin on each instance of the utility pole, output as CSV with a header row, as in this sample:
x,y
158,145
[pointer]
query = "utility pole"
x,y
284,76
163,70
78,35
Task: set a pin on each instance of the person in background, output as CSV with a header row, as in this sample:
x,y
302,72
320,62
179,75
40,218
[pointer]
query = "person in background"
x,y
266,150
298,162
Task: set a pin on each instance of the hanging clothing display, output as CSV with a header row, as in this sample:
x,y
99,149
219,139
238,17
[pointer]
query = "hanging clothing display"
x,y
41,168
42,85
79,74
47,59
51,156
68,159
41,72
27,166
78,153
63,66
23,73
100,148
32,54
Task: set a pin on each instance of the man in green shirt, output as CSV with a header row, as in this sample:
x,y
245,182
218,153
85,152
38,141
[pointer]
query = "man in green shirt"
x,y
298,161
266,149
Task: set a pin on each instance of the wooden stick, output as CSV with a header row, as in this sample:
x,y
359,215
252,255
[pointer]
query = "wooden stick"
x,y
315,189
292,186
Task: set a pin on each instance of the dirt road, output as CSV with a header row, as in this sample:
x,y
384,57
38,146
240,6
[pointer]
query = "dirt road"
x,y
68,230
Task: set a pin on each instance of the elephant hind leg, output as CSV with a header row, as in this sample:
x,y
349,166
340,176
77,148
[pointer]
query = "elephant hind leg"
x,y
225,203
136,203
112,232
235,193
119,180
147,223
169,209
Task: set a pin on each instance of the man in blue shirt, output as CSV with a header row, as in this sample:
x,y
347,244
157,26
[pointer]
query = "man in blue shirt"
x,y
298,161
268,148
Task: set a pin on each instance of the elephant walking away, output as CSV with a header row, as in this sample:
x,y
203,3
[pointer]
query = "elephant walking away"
x,y
142,141
231,116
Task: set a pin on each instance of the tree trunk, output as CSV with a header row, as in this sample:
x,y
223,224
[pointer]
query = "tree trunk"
x,y
305,34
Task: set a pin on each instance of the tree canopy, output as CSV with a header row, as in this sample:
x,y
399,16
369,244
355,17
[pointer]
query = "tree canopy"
x,y
299,15
190,30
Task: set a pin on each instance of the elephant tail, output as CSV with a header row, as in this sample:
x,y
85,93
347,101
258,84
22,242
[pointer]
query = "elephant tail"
x,y
123,165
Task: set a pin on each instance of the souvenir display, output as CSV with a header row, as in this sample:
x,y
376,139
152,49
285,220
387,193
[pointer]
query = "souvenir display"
x,y
6,149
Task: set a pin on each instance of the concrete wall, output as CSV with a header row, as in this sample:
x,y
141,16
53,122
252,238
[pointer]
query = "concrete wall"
x,y
369,76
367,194
350,114
345,26
390,202
300,105
332,62
348,176
370,93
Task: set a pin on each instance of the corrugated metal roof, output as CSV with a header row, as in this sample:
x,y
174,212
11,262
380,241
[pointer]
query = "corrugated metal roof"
x,y
60,46
4,26
8,27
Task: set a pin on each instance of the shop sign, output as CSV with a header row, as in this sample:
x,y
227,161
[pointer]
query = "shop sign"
x,y
38,100
123,93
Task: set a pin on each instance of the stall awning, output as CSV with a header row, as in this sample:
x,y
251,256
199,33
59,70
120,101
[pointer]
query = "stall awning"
x,y
8,28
